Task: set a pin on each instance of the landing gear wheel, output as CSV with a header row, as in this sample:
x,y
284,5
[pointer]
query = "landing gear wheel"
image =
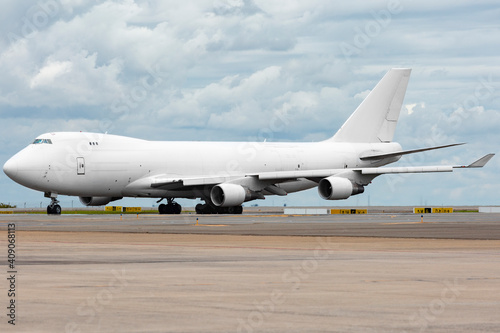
x,y
234,210
171,207
207,209
176,208
199,208
54,210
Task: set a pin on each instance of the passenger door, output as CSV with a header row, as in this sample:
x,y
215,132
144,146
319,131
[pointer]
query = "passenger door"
x,y
80,169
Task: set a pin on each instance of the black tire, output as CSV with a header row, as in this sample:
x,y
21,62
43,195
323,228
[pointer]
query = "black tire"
x,y
176,208
199,209
223,210
162,209
206,209
54,210
172,208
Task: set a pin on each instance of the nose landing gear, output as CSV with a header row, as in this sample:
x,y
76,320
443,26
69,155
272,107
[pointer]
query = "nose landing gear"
x,y
54,208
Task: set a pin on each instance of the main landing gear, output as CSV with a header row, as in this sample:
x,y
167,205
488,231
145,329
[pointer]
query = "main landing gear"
x,y
54,208
171,207
208,209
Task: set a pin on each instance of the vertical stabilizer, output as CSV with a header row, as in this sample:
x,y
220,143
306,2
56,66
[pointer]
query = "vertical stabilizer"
x,y
376,117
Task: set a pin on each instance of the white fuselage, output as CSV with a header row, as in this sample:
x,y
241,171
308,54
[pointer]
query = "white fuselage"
x,y
90,164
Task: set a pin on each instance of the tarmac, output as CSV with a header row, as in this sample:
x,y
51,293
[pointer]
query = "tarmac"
x,y
267,272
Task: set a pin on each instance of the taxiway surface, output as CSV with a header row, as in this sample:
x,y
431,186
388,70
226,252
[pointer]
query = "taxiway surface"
x,y
254,273
452,226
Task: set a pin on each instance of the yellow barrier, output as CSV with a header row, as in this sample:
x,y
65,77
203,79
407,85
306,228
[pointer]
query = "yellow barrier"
x,y
348,211
428,210
442,210
113,208
421,210
6,212
132,209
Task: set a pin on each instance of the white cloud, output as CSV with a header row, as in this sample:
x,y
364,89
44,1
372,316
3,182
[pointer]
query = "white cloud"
x,y
362,95
50,72
410,107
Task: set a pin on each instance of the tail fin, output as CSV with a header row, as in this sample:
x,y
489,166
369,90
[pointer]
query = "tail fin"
x,y
376,117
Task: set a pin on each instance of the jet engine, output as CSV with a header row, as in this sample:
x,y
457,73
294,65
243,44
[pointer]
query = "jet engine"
x,y
97,201
229,195
338,188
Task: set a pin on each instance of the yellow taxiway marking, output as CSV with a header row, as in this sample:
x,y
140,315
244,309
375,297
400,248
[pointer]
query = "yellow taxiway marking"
x,y
211,225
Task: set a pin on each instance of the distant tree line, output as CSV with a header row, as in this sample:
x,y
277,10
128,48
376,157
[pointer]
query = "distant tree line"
x,y
2,205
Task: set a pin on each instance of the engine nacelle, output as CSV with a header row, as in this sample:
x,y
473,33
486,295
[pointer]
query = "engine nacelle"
x,y
338,188
97,201
228,195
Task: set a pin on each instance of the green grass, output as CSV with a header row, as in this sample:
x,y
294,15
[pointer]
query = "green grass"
x,y
96,212
99,212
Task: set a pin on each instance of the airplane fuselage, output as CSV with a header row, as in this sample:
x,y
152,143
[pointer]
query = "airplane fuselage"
x,y
103,165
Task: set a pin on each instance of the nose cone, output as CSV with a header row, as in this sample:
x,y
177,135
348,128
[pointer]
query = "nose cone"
x,y
10,168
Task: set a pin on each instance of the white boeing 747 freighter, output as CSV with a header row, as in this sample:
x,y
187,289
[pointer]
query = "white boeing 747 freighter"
x,y
100,168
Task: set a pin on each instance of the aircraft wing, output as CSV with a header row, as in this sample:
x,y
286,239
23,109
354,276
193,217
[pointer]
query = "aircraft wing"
x,y
169,183
174,183
405,152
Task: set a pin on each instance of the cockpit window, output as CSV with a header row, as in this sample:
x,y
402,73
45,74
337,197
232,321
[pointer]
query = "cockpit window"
x,y
40,141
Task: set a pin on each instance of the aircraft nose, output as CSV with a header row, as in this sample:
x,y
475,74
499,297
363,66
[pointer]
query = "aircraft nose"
x,y
10,168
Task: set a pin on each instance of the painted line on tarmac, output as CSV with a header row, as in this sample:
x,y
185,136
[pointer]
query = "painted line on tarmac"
x,y
210,225
394,223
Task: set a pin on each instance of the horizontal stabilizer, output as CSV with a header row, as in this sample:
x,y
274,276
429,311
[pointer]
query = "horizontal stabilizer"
x,y
423,169
479,163
404,152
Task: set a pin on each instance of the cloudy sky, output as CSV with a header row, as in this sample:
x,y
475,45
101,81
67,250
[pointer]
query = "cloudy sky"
x,y
221,69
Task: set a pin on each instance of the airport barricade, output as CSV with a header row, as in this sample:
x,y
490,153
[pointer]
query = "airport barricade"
x,y
113,208
123,209
429,210
348,211
306,211
132,209
322,211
